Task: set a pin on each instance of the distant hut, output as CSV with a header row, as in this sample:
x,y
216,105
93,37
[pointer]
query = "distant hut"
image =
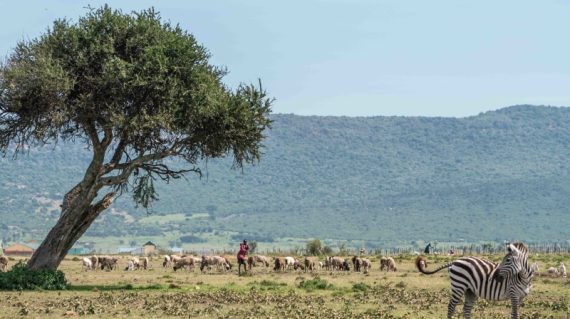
x,y
19,249
149,248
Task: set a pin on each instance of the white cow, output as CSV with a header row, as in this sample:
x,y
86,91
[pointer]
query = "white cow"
x,y
166,261
130,265
289,262
87,264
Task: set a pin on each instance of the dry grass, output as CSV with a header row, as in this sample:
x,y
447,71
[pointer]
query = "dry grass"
x,y
161,292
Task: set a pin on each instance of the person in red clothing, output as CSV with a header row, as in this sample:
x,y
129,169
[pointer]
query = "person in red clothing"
x,y
241,256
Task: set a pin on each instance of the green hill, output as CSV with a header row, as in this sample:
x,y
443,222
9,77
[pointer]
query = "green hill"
x,y
495,176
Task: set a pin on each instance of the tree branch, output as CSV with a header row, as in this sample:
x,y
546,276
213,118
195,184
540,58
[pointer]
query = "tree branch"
x,y
108,137
165,173
91,132
127,168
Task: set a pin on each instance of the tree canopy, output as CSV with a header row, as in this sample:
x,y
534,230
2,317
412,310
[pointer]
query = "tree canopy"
x,y
136,90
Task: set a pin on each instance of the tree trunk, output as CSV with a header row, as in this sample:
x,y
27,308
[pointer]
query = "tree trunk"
x,y
75,219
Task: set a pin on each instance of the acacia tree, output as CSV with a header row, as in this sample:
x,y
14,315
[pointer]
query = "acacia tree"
x,y
137,91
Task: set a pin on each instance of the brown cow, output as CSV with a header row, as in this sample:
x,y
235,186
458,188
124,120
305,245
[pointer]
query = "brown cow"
x,y
219,262
253,260
311,263
185,262
388,264
356,263
279,264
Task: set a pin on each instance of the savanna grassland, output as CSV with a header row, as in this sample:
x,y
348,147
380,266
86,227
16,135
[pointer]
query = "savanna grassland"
x,y
161,293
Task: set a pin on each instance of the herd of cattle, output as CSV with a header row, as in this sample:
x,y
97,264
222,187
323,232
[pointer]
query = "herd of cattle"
x,y
222,263
278,263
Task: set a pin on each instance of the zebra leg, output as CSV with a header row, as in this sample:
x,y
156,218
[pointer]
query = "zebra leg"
x,y
456,294
515,307
470,299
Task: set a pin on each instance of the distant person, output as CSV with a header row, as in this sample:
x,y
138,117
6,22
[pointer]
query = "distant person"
x,y
242,256
427,249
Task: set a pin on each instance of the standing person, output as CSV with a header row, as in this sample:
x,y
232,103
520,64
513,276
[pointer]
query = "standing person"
x,y
427,249
241,256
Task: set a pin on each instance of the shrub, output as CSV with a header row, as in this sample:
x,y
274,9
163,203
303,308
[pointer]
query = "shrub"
x,y
273,284
360,287
20,277
314,247
313,284
268,284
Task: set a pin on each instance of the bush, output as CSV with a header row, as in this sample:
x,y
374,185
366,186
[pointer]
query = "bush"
x,y
360,287
22,278
314,284
268,284
314,247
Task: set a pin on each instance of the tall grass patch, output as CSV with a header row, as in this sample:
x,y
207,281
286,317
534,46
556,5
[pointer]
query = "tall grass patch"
x,y
315,284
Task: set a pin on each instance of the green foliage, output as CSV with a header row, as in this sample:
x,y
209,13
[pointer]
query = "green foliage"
x,y
381,180
144,85
315,284
252,246
22,278
327,250
268,285
137,91
314,247
360,287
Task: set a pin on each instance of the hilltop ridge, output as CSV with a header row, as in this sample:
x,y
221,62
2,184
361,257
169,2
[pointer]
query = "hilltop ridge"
x,y
498,175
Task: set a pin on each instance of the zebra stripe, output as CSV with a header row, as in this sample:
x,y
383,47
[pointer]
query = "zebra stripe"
x,y
475,277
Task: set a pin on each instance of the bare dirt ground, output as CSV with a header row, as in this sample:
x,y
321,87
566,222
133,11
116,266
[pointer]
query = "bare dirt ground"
x,y
162,293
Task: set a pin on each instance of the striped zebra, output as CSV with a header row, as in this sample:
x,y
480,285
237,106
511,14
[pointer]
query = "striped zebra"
x,y
475,277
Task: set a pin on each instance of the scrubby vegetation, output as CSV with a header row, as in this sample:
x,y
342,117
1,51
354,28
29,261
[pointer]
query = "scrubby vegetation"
x,y
22,278
399,179
162,293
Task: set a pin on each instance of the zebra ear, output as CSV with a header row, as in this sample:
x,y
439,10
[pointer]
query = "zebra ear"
x,y
512,250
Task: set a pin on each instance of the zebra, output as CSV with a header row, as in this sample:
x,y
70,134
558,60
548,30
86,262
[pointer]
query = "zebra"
x,y
476,277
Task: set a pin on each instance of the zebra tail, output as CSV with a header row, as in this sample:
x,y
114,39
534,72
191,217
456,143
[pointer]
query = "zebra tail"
x,y
421,263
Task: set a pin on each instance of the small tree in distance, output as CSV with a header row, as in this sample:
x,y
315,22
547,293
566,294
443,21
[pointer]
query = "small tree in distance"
x,y
252,247
314,247
136,91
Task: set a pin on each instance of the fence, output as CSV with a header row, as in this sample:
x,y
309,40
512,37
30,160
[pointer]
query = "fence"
x,y
439,248
475,249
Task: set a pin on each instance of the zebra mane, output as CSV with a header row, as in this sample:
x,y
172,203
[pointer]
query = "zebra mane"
x,y
520,246
528,269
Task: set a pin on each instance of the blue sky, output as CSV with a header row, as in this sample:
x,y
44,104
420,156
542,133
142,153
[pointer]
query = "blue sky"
x,y
363,58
